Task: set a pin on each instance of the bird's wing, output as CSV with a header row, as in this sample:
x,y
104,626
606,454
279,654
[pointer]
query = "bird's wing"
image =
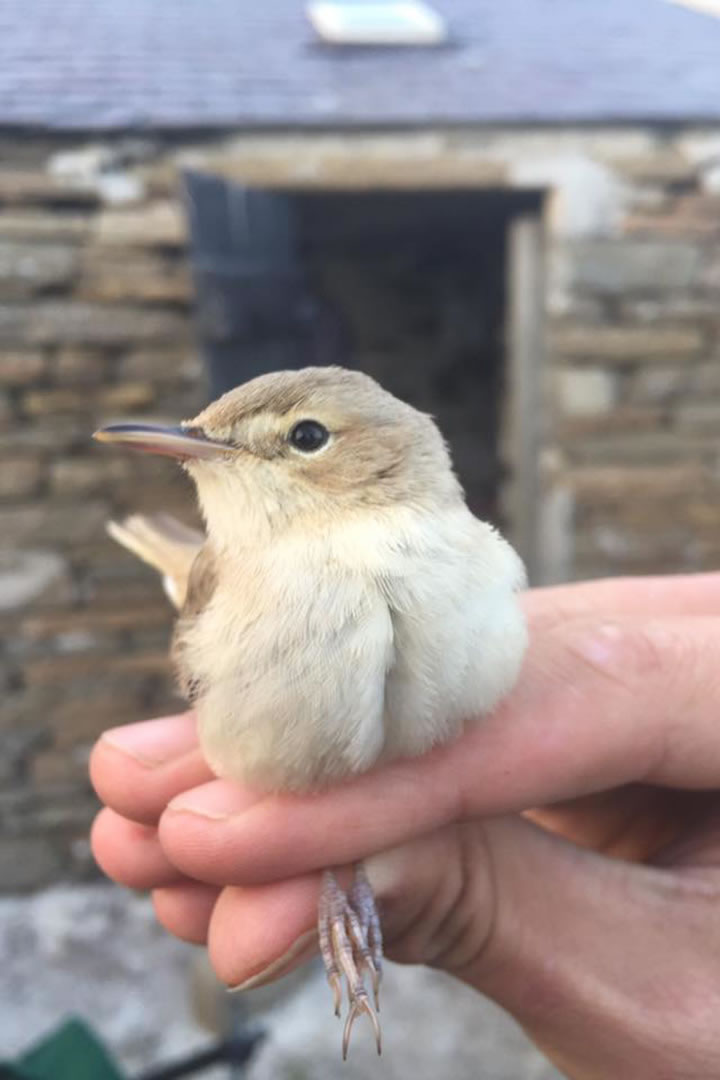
x,y
165,544
201,584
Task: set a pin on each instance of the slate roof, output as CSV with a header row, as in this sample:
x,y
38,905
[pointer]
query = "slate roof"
x,y
168,64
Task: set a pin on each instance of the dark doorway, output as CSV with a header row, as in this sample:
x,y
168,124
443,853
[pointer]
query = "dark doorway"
x,y
408,286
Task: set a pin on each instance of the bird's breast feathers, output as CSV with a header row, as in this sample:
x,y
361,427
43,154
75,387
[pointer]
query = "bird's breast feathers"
x,y
317,658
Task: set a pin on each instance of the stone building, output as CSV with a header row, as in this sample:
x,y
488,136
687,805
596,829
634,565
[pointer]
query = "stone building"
x,y
518,229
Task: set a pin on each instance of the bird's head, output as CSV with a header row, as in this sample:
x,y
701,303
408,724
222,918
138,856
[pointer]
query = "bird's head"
x,y
319,442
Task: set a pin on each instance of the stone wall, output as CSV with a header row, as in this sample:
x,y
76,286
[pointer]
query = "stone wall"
x,y
94,324
629,472
634,347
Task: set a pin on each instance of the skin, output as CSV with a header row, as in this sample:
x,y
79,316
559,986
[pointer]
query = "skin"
x,y
593,921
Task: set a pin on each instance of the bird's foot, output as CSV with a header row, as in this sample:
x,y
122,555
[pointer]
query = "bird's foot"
x,y
351,945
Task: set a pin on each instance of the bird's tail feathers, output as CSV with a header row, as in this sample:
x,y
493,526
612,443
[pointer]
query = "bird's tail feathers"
x,y
165,544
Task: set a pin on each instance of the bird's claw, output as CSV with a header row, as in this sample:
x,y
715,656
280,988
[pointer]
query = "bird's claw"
x,y
351,943
358,1005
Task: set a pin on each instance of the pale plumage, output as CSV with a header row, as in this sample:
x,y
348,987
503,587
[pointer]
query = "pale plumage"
x,y
352,620
346,607
318,655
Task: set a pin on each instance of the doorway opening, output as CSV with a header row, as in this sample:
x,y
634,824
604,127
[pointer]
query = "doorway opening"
x,y
408,286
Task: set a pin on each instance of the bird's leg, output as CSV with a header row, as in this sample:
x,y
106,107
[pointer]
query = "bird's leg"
x,y
362,901
351,944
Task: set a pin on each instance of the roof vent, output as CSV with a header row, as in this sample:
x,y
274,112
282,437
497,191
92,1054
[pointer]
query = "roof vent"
x,y
396,22
705,7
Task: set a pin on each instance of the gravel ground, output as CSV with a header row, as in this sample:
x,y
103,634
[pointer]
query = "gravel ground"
x,y
96,951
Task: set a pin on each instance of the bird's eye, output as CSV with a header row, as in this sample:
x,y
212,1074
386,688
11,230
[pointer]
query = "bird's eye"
x,y
308,435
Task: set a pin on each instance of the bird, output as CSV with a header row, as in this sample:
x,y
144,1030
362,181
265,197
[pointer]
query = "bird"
x,y
342,609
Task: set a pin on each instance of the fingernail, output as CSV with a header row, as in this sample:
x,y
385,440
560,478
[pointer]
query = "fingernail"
x,y
152,742
299,951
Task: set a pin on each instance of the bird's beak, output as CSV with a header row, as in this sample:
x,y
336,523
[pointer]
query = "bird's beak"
x,y
176,442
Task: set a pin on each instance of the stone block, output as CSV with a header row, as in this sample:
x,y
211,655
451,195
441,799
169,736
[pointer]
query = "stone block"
x,y
147,279
64,807
709,277
48,524
7,416
56,433
585,391
88,476
29,269
367,161
672,224
82,720
87,164
701,417
16,746
28,862
160,179
616,266
74,364
622,484
698,207
641,448
29,187
44,225
118,188
47,671
625,344
704,379
81,164
45,625
657,384
181,403
111,593
139,498
32,577
703,149
704,517
40,403
158,224
20,476
650,198
21,366
681,307
25,709
59,767
180,364
665,165
75,323
125,396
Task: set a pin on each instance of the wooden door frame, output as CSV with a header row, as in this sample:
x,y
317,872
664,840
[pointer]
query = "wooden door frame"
x,y
522,437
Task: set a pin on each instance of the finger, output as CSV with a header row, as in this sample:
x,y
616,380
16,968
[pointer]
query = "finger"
x,y
138,768
262,933
185,909
599,705
633,822
130,853
653,597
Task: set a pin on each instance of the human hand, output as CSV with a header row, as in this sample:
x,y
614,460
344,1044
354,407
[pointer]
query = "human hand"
x,y
611,963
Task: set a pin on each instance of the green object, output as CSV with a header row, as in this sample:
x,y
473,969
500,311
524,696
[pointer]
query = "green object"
x,y
71,1052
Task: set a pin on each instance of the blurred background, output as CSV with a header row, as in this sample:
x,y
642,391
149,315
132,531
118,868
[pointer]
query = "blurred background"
x,y
508,212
